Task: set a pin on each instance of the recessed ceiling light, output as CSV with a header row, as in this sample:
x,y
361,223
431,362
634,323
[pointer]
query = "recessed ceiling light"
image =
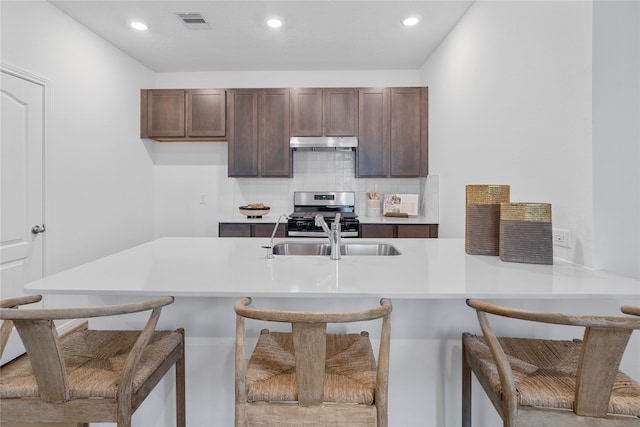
x,y
410,21
274,22
138,26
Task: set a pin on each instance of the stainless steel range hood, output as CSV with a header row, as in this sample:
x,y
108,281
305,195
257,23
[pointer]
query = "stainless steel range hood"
x,y
324,143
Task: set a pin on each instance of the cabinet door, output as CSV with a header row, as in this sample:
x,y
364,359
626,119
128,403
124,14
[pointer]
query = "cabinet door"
x,y
405,132
165,113
340,115
273,134
409,140
206,112
372,155
306,112
243,133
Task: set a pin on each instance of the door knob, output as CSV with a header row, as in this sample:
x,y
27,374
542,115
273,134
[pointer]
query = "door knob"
x,y
38,229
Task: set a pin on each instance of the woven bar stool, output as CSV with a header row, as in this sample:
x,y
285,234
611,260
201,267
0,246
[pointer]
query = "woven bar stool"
x,y
308,377
90,375
538,382
628,309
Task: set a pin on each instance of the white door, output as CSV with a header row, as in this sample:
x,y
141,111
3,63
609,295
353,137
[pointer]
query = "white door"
x,y
21,181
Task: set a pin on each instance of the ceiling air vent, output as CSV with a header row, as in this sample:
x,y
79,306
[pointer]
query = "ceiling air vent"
x,y
193,20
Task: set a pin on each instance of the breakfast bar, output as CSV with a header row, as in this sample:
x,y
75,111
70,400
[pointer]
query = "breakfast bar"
x,y
427,282
426,269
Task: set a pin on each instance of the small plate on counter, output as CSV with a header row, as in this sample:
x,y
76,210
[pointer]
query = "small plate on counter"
x,y
254,212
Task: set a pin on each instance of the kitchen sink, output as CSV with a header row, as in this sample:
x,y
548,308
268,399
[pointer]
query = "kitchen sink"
x,y
324,248
302,248
369,249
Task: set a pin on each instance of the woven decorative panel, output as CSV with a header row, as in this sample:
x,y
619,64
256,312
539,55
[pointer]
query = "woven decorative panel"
x,y
525,233
482,223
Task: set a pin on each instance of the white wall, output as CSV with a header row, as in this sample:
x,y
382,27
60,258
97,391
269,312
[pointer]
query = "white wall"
x,y
616,136
98,174
278,79
186,172
510,103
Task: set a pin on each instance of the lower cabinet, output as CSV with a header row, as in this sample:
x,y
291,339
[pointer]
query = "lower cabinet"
x,y
371,231
398,231
234,229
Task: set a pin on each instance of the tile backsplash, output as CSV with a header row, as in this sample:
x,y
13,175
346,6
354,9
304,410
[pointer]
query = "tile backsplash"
x,y
328,171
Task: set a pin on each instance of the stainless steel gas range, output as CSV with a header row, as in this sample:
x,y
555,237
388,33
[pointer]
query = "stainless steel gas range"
x,y
308,204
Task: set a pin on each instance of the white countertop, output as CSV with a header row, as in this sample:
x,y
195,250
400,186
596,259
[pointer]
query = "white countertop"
x,y
394,220
427,269
271,218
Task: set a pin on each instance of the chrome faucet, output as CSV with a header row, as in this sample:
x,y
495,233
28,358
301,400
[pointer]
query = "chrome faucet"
x,y
275,229
333,234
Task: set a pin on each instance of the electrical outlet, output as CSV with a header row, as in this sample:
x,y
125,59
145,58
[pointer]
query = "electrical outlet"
x,y
561,237
203,198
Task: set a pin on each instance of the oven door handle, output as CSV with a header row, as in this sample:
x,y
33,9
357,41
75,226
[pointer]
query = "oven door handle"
x,y
292,233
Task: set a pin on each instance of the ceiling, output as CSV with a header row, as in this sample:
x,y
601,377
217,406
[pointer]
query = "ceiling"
x,y
316,35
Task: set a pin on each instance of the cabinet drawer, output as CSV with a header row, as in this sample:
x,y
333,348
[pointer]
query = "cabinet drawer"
x,y
377,231
421,231
265,230
231,229
234,230
399,231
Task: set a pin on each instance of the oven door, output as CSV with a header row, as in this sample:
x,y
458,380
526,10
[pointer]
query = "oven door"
x,y
318,233
308,228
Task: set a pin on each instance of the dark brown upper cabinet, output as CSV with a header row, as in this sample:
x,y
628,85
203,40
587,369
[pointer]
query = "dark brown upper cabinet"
x,y
183,115
259,133
372,155
273,134
324,112
306,112
243,132
409,132
393,134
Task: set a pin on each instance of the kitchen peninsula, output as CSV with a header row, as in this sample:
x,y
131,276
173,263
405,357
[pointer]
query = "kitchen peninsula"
x,y
427,268
428,284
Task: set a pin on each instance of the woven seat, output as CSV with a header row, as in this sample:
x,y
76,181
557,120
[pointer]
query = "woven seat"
x,y
350,374
538,382
309,377
90,375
